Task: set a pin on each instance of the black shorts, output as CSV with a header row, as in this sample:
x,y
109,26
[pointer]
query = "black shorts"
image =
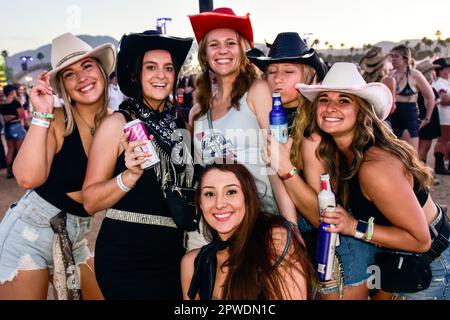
x,y
405,117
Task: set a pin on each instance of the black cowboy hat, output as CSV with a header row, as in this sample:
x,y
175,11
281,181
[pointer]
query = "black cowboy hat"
x,y
288,47
134,45
441,63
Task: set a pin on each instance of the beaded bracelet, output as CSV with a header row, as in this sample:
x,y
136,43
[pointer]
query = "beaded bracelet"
x,y
43,115
121,185
40,123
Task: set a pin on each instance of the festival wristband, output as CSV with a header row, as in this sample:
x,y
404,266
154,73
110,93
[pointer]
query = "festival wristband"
x,y
43,115
40,123
290,174
121,185
369,233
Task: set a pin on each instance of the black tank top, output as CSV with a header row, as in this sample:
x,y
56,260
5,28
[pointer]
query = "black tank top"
x,y
66,175
146,196
363,209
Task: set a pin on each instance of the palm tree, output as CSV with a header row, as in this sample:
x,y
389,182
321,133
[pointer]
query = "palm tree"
x,y
352,50
5,56
315,43
342,48
447,42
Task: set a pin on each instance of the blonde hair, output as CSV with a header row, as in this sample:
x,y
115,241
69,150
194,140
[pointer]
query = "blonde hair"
x,y
302,122
247,75
69,120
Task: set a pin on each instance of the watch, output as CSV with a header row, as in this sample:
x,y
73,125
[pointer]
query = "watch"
x,y
361,229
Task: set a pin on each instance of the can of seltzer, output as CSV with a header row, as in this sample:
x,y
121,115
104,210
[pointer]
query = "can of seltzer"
x,y
137,131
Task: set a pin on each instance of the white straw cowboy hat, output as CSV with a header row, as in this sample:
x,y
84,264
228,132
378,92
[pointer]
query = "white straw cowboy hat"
x,y
68,49
344,77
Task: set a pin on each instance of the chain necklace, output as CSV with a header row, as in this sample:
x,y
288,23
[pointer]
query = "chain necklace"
x,y
85,122
397,87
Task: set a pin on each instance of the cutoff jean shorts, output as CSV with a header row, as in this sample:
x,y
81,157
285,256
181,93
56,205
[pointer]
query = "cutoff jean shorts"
x,y
26,237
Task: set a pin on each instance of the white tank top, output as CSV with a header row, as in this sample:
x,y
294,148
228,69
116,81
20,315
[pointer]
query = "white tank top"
x,y
235,136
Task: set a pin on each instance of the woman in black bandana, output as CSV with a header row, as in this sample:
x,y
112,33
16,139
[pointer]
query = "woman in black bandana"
x,y
252,255
139,247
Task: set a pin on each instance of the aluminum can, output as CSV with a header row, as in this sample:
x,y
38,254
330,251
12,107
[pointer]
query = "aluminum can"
x,y
138,132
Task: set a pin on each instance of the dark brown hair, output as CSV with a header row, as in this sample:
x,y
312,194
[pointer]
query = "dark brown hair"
x,y
252,251
246,77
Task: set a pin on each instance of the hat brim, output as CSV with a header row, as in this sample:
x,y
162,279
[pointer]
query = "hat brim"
x,y
133,45
369,69
105,54
311,59
375,93
204,22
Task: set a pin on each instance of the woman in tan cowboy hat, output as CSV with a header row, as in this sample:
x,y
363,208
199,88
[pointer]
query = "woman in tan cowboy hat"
x,y
139,246
43,236
382,187
227,123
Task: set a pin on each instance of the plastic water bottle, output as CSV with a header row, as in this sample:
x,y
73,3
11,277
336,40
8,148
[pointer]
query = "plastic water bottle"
x,y
326,241
278,119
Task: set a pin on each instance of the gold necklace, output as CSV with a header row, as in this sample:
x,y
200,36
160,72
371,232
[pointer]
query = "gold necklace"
x,y
92,128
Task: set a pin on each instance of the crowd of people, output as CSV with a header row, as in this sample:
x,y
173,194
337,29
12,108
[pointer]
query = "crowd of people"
x,y
255,199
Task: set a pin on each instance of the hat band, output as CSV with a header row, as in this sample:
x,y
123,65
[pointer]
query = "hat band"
x,y
70,56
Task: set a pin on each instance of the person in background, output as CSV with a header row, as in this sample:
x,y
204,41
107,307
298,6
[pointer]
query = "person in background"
x,y
24,100
442,86
408,83
115,95
252,255
13,115
43,235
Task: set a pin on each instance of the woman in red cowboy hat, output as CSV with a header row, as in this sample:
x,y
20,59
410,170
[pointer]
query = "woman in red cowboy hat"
x,y
227,123
43,236
139,247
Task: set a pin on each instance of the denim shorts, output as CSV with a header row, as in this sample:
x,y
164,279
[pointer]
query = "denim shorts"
x,y
26,238
355,256
14,131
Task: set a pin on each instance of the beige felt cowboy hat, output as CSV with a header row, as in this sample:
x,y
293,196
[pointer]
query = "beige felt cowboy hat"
x,y
344,77
373,60
68,49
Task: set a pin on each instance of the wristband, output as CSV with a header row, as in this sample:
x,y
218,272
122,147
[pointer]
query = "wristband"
x,y
40,123
370,227
43,115
121,185
290,174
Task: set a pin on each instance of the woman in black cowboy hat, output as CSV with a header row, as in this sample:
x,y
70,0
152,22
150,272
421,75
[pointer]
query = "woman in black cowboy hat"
x,y
139,247
291,61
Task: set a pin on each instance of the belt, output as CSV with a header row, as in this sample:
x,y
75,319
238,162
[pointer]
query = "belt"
x,y
440,232
141,218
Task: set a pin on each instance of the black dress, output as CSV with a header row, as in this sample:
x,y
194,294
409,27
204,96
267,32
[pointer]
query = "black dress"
x,y
139,261
433,129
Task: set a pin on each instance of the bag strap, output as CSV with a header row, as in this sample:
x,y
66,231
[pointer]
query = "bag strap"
x,y
286,247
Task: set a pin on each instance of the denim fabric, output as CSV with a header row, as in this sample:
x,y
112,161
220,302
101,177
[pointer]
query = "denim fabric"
x,y
26,238
14,131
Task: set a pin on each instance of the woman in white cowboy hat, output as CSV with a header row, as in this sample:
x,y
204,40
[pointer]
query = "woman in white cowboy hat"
x,y
380,180
49,220
227,122
139,246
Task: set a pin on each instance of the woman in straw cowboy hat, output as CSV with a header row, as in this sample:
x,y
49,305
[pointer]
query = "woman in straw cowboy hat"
x,y
227,123
408,83
139,247
291,61
432,129
52,163
379,179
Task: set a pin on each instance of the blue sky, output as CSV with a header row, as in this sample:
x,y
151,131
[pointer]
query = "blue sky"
x,y
30,24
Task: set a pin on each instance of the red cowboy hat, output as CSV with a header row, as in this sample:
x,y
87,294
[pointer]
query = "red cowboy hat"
x,y
204,22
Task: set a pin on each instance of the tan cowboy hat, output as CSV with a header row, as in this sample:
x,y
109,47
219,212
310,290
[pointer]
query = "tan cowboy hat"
x,y
68,49
425,65
373,60
344,77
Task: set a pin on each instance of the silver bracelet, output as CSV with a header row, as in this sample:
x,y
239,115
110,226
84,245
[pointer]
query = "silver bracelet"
x,y
40,123
121,185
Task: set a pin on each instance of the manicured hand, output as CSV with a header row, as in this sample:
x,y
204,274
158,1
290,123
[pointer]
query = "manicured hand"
x,y
133,157
279,155
41,95
344,222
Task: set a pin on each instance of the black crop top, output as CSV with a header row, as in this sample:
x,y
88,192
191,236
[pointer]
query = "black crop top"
x,y
363,209
66,175
407,90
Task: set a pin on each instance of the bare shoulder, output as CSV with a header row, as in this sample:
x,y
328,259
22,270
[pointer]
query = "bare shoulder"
x,y
112,122
309,144
259,85
187,262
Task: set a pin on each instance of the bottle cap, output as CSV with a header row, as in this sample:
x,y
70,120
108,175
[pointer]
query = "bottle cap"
x,y
324,176
276,95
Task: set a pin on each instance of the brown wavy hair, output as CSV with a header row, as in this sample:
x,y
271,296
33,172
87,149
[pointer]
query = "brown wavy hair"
x,y
252,251
247,75
371,131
